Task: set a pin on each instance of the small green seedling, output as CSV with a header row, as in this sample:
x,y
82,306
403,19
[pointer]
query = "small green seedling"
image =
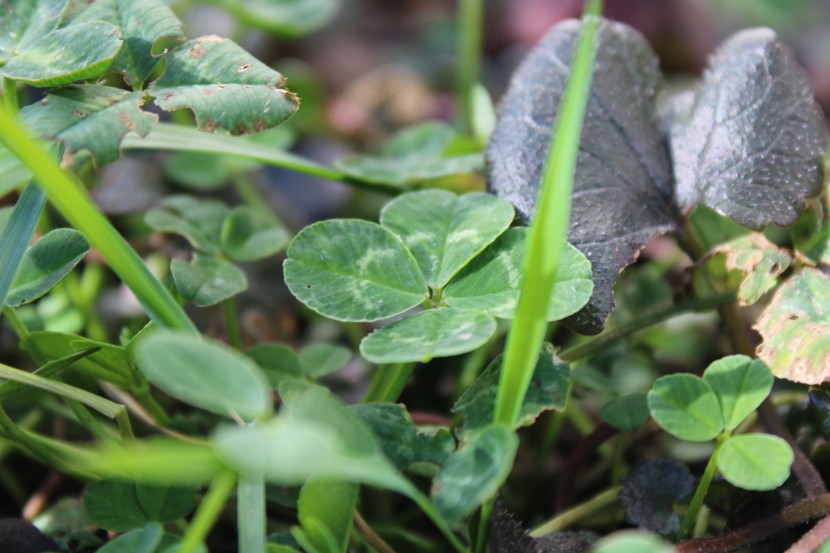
x,y
452,255
710,408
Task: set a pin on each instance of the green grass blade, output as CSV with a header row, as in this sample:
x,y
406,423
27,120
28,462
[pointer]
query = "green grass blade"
x,y
15,237
74,204
549,228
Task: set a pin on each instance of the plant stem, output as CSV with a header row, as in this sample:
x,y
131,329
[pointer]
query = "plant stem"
x,y
549,228
166,136
388,382
484,526
75,205
250,497
470,16
700,493
593,345
792,515
231,324
577,512
372,538
813,539
209,510
10,95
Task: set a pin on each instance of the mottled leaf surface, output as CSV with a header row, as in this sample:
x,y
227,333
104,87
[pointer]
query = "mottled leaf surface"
x,y
351,270
548,390
445,231
207,280
491,282
24,22
433,333
650,491
623,183
753,146
759,261
795,328
402,441
474,473
142,24
89,117
65,55
224,86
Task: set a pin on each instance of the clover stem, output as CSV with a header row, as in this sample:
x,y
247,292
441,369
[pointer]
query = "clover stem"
x,y
10,95
231,325
250,498
563,520
702,488
388,382
209,510
470,17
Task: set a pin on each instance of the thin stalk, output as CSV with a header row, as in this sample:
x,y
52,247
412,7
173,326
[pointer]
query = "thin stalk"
x,y
231,324
250,499
549,228
75,205
25,441
252,197
388,382
470,20
593,345
371,537
209,510
563,520
10,95
484,527
166,136
702,488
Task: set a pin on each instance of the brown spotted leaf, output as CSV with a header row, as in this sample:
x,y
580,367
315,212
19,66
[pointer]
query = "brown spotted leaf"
x,y
224,86
795,328
759,261
623,183
90,118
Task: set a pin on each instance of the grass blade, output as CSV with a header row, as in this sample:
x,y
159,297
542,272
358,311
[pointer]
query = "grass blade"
x,y
16,235
74,204
549,228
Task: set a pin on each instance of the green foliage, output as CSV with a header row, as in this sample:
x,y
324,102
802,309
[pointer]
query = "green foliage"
x,y
627,412
207,280
548,390
45,264
142,540
205,374
403,442
353,271
285,17
474,473
755,461
685,406
433,333
325,511
418,155
741,384
631,541
89,118
120,506
359,271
